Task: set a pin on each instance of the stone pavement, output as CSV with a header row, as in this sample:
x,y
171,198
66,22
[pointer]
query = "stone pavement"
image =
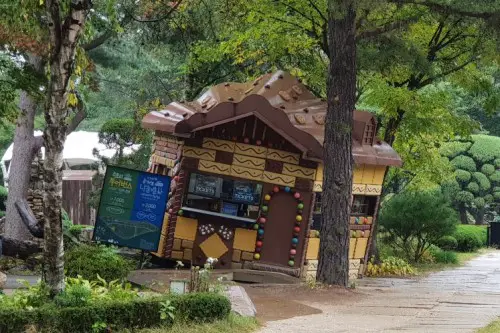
x,y
452,301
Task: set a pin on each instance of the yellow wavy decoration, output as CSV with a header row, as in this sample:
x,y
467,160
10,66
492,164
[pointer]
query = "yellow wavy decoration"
x,y
248,161
283,156
247,173
278,179
250,150
202,154
222,145
214,167
298,171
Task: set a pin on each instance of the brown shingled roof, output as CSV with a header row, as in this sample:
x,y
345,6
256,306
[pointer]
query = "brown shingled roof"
x,y
279,100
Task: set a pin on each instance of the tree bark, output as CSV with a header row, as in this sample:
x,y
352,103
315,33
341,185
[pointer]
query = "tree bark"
x,y
333,266
19,248
479,216
63,36
463,214
23,153
29,220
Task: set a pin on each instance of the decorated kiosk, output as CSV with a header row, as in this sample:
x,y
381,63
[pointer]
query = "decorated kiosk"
x,y
246,162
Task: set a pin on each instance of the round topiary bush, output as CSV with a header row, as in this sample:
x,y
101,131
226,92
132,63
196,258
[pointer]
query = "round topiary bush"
x,y
89,261
462,175
464,162
447,243
473,187
445,257
488,169
467,240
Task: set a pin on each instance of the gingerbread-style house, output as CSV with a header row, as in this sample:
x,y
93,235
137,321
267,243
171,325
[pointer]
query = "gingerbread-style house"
x,y
246,162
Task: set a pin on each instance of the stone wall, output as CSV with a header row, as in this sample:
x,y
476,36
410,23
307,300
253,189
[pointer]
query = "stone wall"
x,y
35,191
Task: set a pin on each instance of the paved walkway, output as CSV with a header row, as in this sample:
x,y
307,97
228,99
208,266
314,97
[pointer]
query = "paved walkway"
x,y
452,301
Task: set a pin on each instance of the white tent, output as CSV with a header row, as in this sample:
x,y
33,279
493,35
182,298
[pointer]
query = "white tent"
x,y
78,152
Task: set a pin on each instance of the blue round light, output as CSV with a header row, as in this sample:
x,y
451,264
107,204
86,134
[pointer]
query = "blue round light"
x,y
261,232
287,189
295,240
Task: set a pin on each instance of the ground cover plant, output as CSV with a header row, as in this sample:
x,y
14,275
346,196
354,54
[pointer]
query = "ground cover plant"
x,y
95,306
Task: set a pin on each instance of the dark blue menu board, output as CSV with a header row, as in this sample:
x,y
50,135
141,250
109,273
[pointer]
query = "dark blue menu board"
x,y
131,209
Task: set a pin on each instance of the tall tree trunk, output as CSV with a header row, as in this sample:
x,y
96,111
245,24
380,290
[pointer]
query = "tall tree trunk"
x,y
63,36
22,156
463,213
333,267
479,216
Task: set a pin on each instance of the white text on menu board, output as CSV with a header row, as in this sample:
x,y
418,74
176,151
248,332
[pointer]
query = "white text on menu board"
x,y
151,189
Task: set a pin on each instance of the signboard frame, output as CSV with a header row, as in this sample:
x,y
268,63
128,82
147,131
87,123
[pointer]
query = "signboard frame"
x,y
138,201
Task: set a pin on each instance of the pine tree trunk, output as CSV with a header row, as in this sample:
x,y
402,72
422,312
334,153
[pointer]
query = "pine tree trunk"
x,y
22,156
333,267
463,214
479,216
63,38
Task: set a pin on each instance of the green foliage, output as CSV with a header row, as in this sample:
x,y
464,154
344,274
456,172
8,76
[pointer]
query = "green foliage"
x,y
495,177
452,149
484,183
413,221
496,195
89,261
85,303
488,169
447,243
3,198
486,148
445,257
479,202
464,162
473,187
201,307
470,237
390,266
462,175
497,162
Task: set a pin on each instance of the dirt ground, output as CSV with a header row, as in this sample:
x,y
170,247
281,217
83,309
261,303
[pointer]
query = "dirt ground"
x,y
277,302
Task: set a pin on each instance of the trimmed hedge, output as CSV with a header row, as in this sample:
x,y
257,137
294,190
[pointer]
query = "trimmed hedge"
x,y
447,243
470,237
139,313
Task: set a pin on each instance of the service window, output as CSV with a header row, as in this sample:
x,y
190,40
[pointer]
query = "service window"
x,y
225,196
363,205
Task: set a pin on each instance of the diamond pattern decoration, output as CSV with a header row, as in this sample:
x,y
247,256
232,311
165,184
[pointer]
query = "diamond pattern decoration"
x,y
213,247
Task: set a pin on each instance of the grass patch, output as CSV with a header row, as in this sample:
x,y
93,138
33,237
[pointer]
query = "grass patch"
x,y
233,323
463,257
493,327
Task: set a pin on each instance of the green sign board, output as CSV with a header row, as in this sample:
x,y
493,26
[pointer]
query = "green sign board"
x,y
131,209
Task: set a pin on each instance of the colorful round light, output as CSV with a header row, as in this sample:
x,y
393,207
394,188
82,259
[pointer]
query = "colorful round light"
x,y
295,240
300,206
276,189
267,197
261,232
287,189
296,195
265,208
293,252
298,218
258,142
258,244
262,220
296,229
180,212
291,263
256,256
256,226
246,140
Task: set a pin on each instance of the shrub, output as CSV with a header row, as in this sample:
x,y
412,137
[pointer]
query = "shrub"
x,y
473,187
3,197
447,243
462,175
497,163
482,180
390,266
495,176
479,202
464,162
89,261
488,169
118,314
464,196
454,148
413,220
445,257
74,296
470,238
